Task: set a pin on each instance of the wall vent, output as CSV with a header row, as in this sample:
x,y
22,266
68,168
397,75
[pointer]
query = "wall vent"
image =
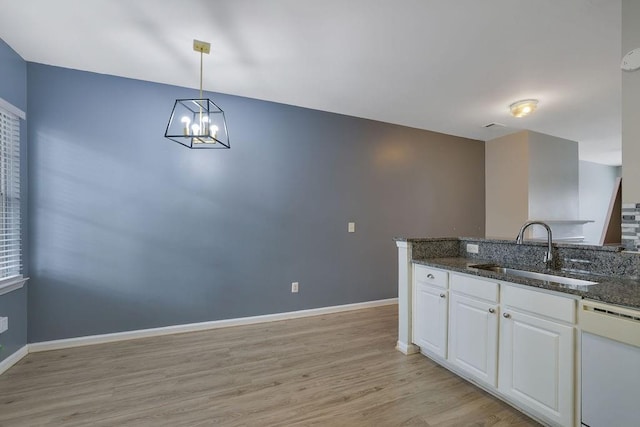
x,y
494,125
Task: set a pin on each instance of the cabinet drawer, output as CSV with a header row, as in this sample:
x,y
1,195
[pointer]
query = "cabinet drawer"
x,y
430,276
552,306
479,288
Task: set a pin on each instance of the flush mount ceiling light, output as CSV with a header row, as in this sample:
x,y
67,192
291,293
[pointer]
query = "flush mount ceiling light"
x,y
523,108
199,122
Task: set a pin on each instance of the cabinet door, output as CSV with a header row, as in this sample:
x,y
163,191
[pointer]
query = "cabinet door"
x,y
430,319
473,337
537,365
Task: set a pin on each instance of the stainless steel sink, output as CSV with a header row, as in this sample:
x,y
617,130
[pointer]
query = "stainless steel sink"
x,y
534,275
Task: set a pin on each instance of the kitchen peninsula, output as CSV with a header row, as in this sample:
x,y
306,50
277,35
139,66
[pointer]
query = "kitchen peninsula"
x,y
497,314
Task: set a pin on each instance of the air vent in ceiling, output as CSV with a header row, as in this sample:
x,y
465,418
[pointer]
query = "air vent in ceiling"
x,y
494,125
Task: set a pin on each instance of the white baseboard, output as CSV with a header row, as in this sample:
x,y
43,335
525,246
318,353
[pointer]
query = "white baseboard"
x,y
407,348
13,359
201,326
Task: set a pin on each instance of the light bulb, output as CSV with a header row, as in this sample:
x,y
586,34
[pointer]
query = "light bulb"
x,y
195,128
185,125
205,125
523,108
214,131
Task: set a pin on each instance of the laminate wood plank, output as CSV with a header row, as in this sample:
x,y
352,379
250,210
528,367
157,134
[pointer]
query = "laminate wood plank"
x,y
338,370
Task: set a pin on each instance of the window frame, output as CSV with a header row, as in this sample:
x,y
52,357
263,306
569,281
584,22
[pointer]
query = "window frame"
x,y
14,280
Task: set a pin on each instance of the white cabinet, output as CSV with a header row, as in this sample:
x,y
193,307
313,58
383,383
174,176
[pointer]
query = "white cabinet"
x,y
537,344
430,329
430,310
515,341
473,327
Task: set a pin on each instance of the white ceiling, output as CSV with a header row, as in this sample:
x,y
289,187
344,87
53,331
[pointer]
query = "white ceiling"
x,y
445,65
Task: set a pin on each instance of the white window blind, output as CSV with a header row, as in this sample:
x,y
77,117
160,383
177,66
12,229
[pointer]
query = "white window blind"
x,y
10,248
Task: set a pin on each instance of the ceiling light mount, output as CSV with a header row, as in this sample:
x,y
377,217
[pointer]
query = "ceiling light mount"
x,y
202,47
523,108
198,122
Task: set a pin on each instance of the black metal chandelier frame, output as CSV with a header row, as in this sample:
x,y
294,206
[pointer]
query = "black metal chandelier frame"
x,y
198,122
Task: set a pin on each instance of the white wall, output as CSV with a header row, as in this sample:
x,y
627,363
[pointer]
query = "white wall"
x,y
596,187
506,185
530,176
630,109
553,177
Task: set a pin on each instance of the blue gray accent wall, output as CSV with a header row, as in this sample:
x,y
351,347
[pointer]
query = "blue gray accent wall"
x,y
13,89
13,84
131,230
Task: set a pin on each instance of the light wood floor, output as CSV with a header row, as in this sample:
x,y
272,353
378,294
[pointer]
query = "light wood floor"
x,y
332,370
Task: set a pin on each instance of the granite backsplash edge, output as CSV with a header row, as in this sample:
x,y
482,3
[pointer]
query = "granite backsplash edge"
x,y
601,260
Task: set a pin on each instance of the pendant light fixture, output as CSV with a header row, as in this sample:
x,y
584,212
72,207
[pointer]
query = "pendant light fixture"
x,y
198,123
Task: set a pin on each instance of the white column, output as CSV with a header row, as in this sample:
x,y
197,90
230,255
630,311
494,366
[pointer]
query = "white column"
x,y
405,297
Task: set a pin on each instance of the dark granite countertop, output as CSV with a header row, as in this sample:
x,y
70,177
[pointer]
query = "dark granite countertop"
x,y
612,290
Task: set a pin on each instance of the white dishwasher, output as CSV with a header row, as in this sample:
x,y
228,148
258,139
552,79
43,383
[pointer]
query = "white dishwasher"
x,y
610,365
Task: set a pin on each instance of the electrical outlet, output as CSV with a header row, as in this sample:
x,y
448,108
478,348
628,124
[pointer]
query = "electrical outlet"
x,y
351,227
472,248
294,287
4,324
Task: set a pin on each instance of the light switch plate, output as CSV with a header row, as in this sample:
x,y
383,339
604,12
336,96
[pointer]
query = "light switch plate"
x,y
472,248
351,227
4,324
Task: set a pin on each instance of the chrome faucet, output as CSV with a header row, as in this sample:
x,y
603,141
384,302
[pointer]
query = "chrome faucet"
x,y
548,257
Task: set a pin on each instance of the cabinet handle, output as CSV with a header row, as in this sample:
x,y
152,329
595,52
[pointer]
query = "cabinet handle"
x,y
430,276
491,310
506,315
442,295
